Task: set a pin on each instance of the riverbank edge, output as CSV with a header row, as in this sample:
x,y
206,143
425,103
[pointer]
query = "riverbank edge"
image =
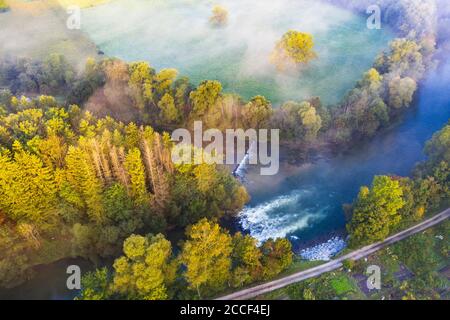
x,y
348,255
326,150
312,150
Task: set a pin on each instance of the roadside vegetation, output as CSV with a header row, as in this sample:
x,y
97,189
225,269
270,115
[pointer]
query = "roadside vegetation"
x,y
212,260
86,171
416,268
394,203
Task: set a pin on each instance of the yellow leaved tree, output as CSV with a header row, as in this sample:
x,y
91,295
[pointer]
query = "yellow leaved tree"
x,y
295,48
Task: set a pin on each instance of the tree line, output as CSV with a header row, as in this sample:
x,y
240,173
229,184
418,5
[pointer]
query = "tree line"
x,y
392,203
85,162
210,261
136,92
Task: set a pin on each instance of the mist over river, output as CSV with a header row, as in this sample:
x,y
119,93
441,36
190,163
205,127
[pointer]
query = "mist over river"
x,y
306,201
303,203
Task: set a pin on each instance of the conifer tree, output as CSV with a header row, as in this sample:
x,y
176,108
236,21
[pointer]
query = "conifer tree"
x,y
28,188
82,186
136,171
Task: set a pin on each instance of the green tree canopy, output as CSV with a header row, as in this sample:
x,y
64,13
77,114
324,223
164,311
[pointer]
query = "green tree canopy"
x,y
146,269
294,48
206,96
257,112
376,211
277,256
207,256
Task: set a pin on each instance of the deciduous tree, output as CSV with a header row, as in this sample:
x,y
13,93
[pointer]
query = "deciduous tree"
x,y
207,256
376,211
295,48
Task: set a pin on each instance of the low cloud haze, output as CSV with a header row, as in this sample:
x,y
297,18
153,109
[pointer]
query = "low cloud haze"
x,y
178,34
36,28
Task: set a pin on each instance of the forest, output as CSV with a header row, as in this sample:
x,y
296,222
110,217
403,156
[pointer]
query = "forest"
x,y
86,170
138,93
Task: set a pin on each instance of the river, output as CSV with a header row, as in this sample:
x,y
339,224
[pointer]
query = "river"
x,y
304,203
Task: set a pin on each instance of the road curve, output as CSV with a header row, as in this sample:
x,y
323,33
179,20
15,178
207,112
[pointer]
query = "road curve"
x,y
337,263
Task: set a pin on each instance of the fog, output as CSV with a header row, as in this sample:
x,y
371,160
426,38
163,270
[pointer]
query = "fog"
x,y
443,10
36,28
177,34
